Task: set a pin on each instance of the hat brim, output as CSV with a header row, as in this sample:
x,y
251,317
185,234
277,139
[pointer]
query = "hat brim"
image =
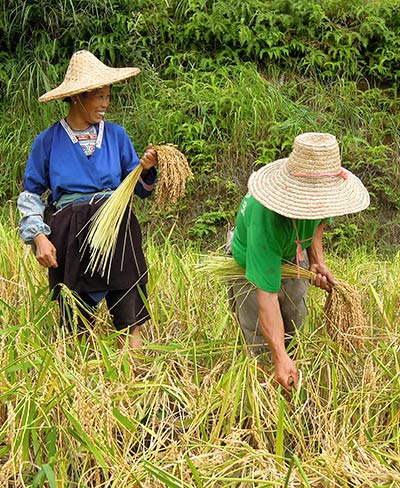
x,y
307,197
108,77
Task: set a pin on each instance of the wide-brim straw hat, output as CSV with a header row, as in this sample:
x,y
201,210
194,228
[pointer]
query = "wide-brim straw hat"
x,y
86,73
310,183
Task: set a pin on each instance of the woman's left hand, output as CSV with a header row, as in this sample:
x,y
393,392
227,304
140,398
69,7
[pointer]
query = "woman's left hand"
x,y
149,158
323,278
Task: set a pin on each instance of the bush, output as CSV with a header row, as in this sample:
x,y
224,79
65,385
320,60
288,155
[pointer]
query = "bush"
x,y
230,83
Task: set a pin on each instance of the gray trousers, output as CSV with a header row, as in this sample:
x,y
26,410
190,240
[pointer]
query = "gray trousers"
x,y
292,302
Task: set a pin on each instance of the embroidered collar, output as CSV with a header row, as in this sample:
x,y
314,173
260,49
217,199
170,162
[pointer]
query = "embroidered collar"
x,y
74,139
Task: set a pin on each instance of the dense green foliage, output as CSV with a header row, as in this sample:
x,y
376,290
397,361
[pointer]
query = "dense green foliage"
x,y
231,83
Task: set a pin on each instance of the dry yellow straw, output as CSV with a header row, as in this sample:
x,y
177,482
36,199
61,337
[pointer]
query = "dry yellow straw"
x,y
226,269
106,222
343,316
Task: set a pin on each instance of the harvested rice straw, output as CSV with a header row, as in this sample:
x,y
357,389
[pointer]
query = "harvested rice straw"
x,y
343,317
174,170
226,269
106,222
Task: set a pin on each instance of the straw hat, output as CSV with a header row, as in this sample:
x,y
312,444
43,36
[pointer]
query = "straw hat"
x,y
85,73
310,183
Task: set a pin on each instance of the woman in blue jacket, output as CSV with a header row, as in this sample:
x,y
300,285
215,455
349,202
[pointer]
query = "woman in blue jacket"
x,y
78,162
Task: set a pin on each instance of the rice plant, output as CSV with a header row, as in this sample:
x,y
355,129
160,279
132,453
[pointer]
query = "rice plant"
x,y
105,225
193,408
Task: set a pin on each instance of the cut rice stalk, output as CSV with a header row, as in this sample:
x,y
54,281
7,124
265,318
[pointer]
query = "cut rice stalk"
x,y
106,222
343,316
226,269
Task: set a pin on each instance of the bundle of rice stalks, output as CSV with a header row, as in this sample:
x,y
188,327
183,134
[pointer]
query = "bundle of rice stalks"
x,y
173,170
343,316
226,269
106,222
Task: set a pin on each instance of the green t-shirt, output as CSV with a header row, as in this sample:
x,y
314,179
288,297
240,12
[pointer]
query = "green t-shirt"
x,y
264,239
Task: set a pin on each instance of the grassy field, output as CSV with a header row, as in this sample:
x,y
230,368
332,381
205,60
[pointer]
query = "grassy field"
x,y
193,409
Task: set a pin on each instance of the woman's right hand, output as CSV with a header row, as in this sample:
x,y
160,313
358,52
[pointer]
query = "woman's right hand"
x,y
46,253
149,158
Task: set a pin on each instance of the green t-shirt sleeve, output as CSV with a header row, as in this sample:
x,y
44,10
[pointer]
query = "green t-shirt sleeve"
x,y
263,254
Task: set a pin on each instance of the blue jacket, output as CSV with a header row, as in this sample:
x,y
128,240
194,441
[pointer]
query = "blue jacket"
x,y
56,164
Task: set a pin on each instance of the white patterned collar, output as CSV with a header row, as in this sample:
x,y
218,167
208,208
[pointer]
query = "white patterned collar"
x,y
74,140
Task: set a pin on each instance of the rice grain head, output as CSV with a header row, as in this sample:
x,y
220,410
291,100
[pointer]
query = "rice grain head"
x,y
343,317
174,170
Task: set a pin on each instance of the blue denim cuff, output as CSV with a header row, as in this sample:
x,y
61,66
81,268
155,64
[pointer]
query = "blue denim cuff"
x,y
31,224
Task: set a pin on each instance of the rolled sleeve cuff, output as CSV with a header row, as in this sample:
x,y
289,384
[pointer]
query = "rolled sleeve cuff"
x,y
31,224
146,183
31,227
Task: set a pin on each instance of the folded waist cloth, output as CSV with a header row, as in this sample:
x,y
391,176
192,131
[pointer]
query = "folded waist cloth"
x,y
69,228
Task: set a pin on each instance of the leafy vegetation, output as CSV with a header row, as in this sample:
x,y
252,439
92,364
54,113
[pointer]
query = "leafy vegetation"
x,y
230,83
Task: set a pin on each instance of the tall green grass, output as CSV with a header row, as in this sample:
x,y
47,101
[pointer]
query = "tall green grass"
x,y
228,120
193,408
230,83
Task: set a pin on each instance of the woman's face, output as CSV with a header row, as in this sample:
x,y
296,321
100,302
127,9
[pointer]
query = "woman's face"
x,y
92,106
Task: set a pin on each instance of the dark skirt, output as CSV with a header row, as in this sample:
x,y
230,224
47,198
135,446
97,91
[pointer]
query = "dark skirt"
x,y
69,228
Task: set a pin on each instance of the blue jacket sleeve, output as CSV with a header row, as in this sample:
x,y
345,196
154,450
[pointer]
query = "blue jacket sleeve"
x,y
36,177
129,161
146,183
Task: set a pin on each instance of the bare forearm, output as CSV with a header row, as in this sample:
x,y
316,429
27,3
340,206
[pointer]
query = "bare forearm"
x,y
316,251
323,278
273,330
271,322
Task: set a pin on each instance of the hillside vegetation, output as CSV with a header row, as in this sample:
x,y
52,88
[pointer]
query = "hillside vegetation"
x,y
230,83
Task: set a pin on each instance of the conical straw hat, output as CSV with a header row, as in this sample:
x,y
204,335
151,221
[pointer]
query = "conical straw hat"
x,y
85,73
310,183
